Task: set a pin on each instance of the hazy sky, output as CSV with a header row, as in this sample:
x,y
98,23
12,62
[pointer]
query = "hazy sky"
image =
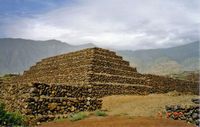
x,y
119,24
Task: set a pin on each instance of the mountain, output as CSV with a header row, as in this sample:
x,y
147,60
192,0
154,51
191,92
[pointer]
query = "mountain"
x,y
17,55
165,61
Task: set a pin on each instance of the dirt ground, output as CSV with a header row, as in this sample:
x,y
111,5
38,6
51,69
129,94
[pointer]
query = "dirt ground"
x,y
150,105
119,121
132,111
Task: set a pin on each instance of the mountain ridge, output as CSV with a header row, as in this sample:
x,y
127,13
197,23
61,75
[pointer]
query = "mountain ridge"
x,y
17,55
179,55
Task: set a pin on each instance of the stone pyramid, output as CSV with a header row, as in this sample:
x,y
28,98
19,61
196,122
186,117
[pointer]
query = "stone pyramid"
x,y
88,66
73,82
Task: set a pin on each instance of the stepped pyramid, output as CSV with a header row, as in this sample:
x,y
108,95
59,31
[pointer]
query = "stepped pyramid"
x,y
76,81
72,82
102,68
84,67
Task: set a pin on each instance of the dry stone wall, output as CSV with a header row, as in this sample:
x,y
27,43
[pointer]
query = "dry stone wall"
x,y
94,90
42,102
164,84
188,113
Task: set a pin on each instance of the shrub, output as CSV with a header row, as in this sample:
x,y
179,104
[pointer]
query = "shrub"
x,y
77,116
59,119
100,113
10,118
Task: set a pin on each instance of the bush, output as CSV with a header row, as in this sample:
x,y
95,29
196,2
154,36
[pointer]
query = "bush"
x,y
77,116
100,113
9,118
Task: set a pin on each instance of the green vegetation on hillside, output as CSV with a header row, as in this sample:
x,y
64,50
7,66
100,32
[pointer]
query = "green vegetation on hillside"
x,y
10,119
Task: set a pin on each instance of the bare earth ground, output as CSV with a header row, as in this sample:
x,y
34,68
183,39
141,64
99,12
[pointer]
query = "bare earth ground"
x,y
149,105
132,111
119,121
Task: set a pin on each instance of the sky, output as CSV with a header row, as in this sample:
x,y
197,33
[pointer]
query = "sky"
x,y
116,24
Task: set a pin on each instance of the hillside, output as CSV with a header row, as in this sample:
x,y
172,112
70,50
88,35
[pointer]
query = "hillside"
x,y
165,61
186,75
17,55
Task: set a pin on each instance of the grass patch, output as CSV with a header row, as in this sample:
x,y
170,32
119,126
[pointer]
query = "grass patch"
x,y
60,119
10,118
100,113
77,116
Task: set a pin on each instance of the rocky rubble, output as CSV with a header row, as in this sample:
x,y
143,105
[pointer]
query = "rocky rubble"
x,y
196,100
189,113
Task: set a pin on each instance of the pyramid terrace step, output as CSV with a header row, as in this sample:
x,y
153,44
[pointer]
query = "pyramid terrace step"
x,y
107,78
105,64
66,69
87,77
52,79
77,73
111,59
115,76
66,91
90,76
86,52
78,63
115,71
84,69
104,51
75,76
58,70
108,64
83,58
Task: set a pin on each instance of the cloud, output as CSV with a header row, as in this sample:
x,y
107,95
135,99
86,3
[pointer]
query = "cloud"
x,y
119,24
